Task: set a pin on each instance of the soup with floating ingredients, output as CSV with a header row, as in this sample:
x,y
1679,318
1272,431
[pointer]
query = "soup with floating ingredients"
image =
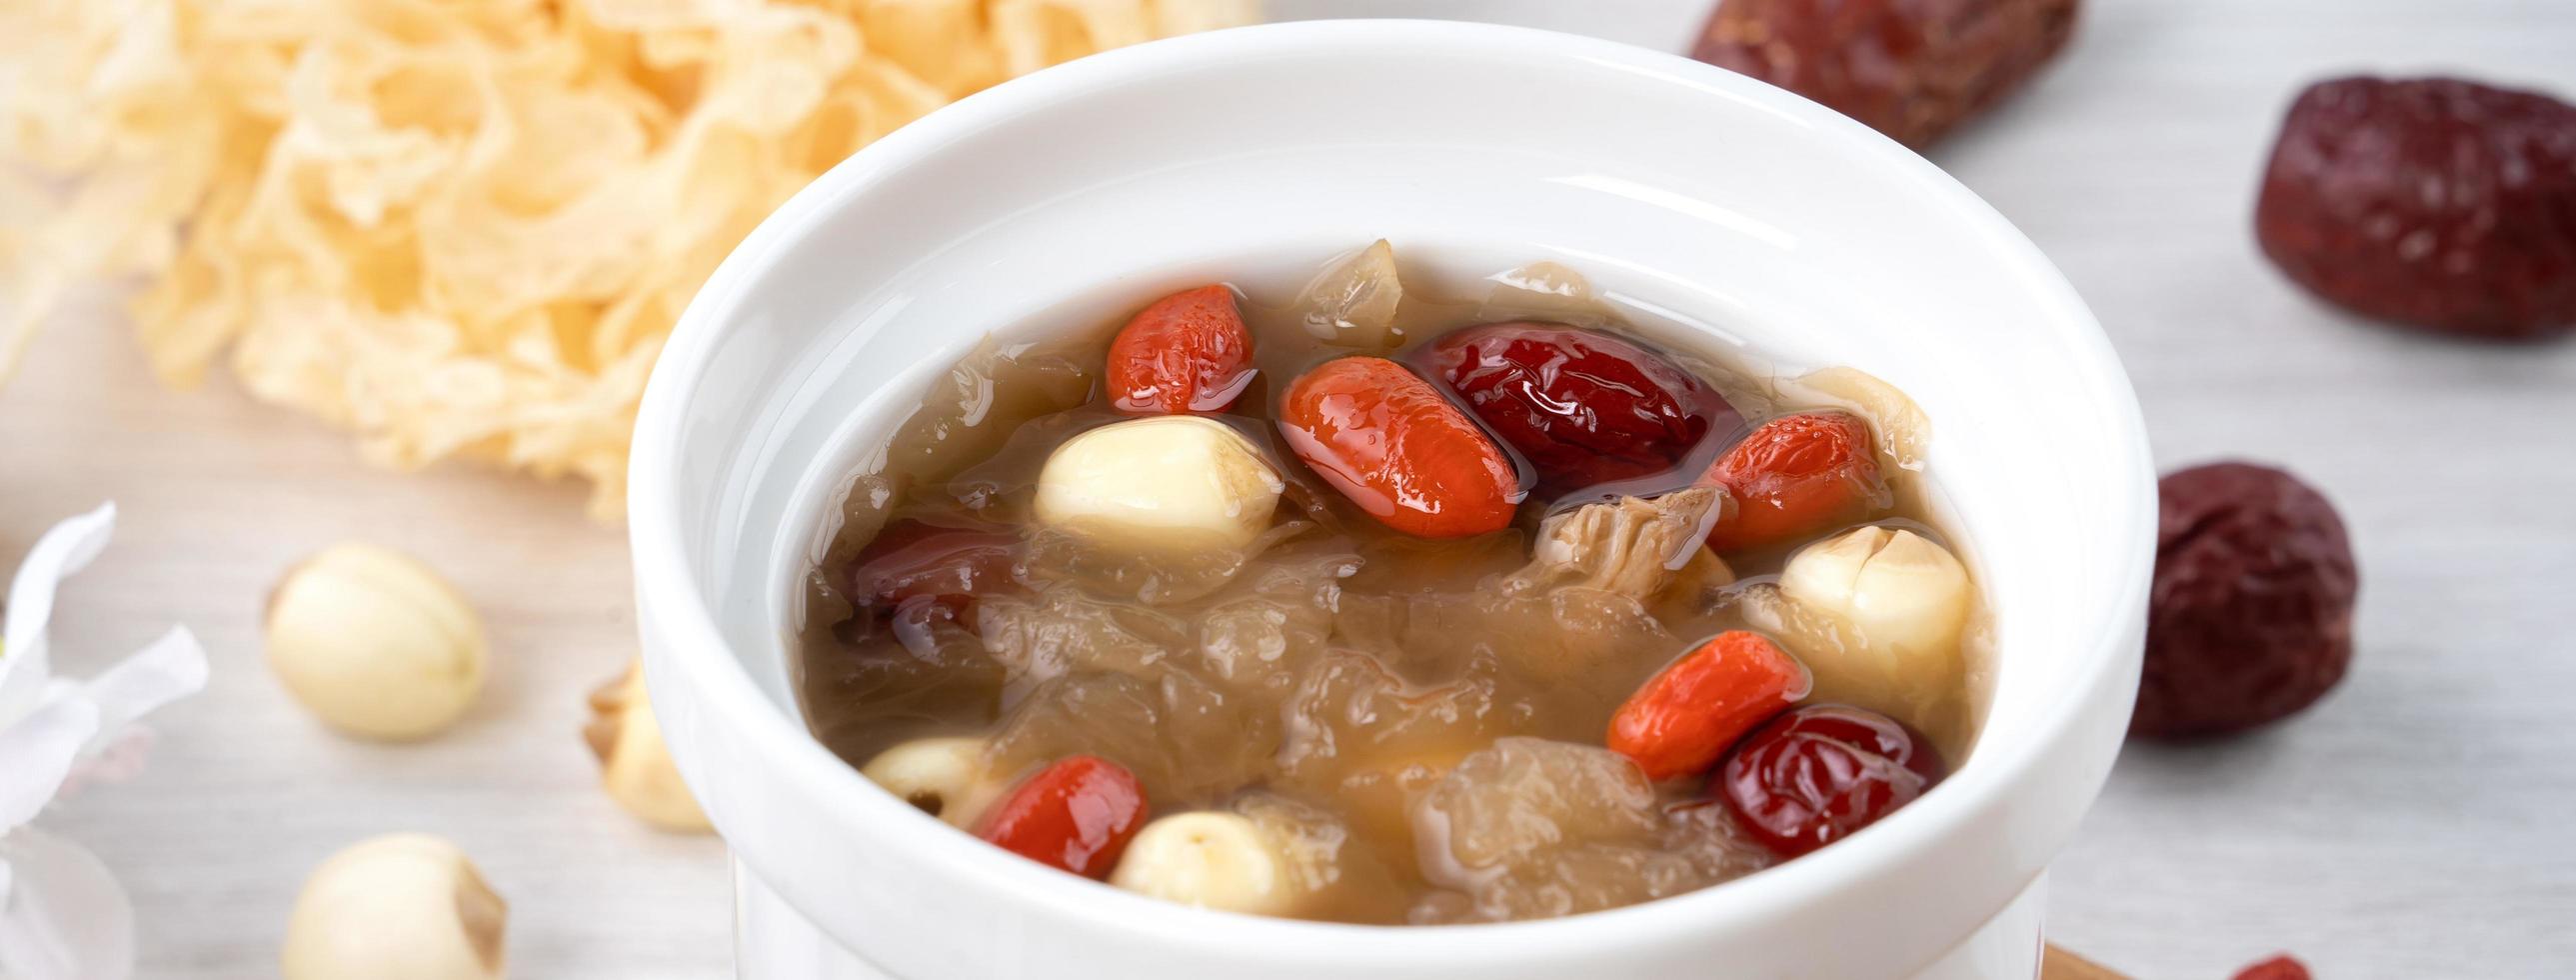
x,y
1347,603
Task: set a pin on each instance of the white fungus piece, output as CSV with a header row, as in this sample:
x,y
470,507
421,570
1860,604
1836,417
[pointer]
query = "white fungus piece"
x,y
1353,304
1903,431
1633,546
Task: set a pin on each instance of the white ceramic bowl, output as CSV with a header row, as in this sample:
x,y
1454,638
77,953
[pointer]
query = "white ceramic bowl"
x,y
1742,213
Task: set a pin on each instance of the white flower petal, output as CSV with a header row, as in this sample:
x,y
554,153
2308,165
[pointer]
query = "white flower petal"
x,y
65,549
64,917
37,752
171,668
120,759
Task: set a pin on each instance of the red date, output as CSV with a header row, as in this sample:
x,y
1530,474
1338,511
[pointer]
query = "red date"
x,y
1584,407
2250,619
1821,773
1911,69
2282,967
2437,203
913,560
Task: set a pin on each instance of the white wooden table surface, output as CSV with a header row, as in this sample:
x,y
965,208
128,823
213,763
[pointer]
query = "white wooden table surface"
x,y
2415,824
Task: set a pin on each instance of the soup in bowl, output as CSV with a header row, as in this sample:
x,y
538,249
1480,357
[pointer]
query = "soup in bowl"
x,y
1337,600
1780,258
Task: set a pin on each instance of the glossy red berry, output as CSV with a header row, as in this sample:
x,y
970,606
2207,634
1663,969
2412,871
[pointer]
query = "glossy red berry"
x,y
1796,475
1076,814
1683,719
1188,352
1391,444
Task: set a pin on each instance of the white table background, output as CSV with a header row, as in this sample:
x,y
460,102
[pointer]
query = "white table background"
x,y
2415,824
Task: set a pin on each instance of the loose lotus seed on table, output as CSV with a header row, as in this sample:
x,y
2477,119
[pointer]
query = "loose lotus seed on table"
x,y
635,766
397,907
374,643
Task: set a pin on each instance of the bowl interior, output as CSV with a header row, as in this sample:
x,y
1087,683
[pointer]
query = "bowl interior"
x,y
1749,229
1734,213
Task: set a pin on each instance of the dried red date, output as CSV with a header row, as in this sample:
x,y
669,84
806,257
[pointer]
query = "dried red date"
x,y
2282,967
2251,615
1909,68
2433,202
1821,773
911,560
1584,407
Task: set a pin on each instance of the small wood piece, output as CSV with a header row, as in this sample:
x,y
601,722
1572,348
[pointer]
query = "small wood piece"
x,y
2057,964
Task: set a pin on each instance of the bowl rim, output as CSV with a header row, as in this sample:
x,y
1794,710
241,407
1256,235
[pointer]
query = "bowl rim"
x,y
720,683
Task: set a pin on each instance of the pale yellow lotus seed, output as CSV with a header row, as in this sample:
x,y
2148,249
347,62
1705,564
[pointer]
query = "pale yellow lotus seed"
x,y
374,643
634,764
396,907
